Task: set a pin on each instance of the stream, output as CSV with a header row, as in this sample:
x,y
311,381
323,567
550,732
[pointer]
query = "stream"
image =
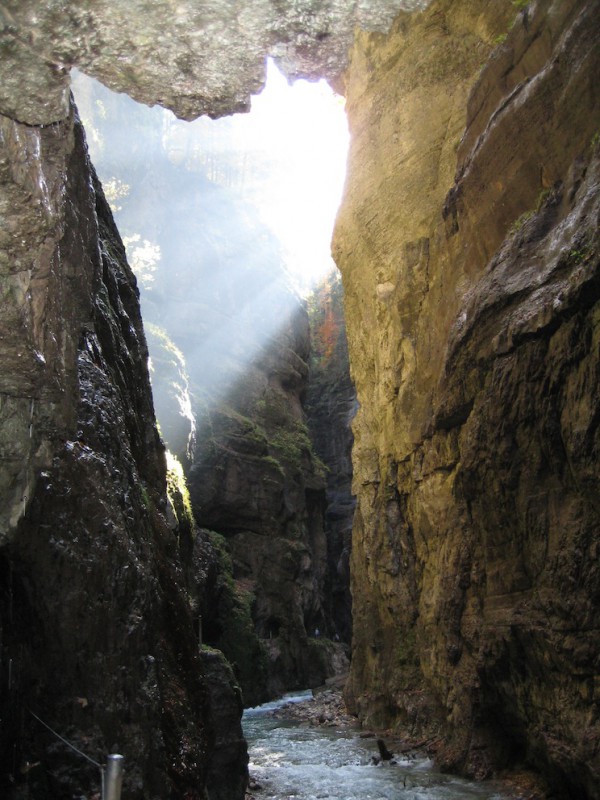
x,y
291,761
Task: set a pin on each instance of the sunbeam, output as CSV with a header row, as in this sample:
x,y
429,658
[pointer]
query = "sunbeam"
x,y
226,222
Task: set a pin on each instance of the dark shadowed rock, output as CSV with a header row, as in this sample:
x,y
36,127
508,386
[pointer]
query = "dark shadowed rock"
x,y
331,405
255,479
97,635
228,773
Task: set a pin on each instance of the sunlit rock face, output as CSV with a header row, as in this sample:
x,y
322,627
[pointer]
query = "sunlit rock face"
x,y
470,265
193,56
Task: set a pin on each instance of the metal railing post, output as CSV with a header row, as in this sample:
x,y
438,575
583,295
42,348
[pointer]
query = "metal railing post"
x,y
113,777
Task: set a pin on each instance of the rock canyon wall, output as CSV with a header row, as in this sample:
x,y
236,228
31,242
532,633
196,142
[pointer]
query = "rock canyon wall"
x,y
97,640
331,406
255,480
468,242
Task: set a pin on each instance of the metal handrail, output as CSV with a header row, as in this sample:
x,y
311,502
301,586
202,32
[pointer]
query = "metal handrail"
x,y
111,774
113,777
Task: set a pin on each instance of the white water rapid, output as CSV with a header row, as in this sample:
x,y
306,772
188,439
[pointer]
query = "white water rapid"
x,y
291,761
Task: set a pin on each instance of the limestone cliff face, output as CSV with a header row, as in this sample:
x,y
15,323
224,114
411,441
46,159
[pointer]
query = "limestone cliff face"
x,y
468,244
97,636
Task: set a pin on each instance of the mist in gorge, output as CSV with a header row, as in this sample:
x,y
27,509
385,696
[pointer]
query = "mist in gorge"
x,y
225,223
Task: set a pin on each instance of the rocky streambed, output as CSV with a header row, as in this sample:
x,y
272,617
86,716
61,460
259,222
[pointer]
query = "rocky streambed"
x,y
307,746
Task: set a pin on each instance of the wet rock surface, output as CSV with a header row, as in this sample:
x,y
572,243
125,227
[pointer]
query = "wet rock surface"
x,y
229,744
97,636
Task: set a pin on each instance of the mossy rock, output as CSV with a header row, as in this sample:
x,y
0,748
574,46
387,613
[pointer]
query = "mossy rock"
x,y
236,636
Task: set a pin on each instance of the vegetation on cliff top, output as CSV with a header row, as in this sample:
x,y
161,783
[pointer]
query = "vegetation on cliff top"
x,y
327,327
329,363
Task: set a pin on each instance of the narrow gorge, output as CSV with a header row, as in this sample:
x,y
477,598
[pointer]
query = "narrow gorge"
x,y
146,596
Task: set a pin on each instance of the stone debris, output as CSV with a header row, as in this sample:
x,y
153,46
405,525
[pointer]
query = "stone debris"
x,y
326,708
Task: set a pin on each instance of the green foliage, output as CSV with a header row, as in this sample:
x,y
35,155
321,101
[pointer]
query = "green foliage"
x,y
167,344
581,253
500,39
542,197
287,436
115,189
247,428
576,256
225,427
219,544
293,444
520,221
273,411
278,440
275,464
143,256
145,497
527,215
235,423
178,491
519,5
